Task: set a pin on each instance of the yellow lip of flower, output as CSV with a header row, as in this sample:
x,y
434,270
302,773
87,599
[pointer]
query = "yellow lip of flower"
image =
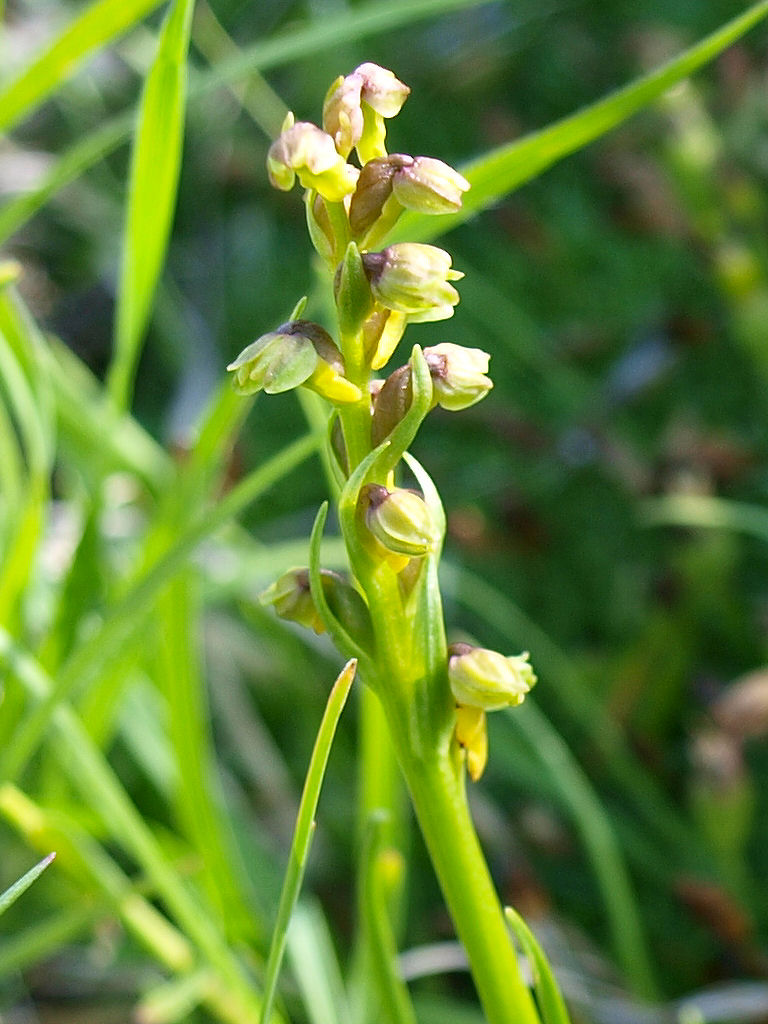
x,y
472,736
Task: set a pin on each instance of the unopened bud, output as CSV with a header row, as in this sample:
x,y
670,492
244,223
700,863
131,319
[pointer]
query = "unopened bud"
x,y
486,679
458,375
390,404
387,185
355,108
305,150
413,278
297,353
291,597
472,736
399,520
429,186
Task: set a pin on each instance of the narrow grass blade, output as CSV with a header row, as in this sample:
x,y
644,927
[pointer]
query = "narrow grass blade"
x,y
302,836
90,772
127,619
713,513
381,878
198,804
41,940
154,178
548,996
575,792
315,966
11,894
98,25
504,169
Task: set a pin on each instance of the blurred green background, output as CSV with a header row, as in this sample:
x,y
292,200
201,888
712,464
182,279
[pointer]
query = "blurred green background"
x,y
623,297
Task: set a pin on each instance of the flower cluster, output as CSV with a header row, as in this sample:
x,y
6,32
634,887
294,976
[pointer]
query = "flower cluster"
x,y
355,191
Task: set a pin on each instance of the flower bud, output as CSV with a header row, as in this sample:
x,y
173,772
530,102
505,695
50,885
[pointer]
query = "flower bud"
x,y
355,108
399,520
387,185
472,735
485,679
429,186
305,150
298,352
291,597
390,404
413,278
458,375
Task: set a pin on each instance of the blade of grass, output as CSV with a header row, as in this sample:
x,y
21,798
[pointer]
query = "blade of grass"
x,y
548,996
41,940
499,172
98,25
381,876
315,966
576,793
198,803
713,513
302,837
126,620
152,190
11,894
85,765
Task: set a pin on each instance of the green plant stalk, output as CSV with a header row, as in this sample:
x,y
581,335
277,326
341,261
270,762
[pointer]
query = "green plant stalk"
x,y
435,779
418,706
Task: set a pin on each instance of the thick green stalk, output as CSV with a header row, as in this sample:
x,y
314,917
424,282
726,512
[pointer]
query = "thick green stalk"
x,y
439,797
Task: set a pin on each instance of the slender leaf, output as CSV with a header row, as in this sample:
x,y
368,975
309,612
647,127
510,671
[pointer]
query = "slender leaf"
x,y
576,793
98,25
154,178
126,620
302,836
11,894
699,511
86,766
315,966
499,172
548,996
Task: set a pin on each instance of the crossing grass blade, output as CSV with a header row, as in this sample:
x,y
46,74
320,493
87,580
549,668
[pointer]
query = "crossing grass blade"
x,y
506,168
550,1002
302,836
11,894
153,185
97,26
713,513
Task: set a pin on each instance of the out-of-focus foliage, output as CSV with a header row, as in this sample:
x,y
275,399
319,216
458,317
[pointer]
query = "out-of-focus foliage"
x,y
624,298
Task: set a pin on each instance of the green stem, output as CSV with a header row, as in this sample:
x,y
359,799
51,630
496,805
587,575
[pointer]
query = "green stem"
x,y
439,798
